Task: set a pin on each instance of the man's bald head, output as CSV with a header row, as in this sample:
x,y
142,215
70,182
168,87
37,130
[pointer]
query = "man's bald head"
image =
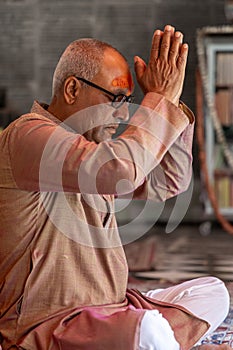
x,y
82,58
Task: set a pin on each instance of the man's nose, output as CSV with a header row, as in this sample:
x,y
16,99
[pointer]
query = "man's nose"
x,y
122,113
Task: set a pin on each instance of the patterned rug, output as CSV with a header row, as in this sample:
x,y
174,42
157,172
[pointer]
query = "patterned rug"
x,y
223,334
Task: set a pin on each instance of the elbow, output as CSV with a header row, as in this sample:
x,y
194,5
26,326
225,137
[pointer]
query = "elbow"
x,y
118,178
179,182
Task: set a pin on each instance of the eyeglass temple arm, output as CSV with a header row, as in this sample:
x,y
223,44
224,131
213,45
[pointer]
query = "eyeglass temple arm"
x,y
95,86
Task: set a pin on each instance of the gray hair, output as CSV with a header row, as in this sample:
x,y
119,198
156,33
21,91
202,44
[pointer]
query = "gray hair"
x,y
83,58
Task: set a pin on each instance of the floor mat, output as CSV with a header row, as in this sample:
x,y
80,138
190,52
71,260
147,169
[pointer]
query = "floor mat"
x,y
223,334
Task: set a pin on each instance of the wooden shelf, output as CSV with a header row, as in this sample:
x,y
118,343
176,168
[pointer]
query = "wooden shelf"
x,y
219,71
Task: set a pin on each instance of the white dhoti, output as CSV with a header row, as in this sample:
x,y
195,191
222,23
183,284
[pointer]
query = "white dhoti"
x,y
205,297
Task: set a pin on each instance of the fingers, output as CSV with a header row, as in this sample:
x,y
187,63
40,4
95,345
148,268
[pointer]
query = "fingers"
x,y
182,58
161,43
166,42
167,46
155,47
139,67
175,47
165,71
178,53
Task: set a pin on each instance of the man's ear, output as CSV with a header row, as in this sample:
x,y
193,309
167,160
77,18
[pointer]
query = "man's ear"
x,y
71,90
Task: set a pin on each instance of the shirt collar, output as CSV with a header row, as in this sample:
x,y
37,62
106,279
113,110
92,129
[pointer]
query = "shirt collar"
x,y
42,109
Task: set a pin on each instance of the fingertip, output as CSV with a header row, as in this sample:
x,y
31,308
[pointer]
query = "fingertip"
x,y
184,50
158,32
168,27
136,59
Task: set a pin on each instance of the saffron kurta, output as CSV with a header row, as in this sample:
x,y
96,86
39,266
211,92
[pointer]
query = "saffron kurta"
x,y
63,272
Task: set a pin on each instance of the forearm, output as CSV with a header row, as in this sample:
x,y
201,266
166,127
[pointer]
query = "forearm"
x,y
152,131
63,161
172,176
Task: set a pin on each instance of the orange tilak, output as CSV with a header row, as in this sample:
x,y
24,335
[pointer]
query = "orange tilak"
x,y
124,82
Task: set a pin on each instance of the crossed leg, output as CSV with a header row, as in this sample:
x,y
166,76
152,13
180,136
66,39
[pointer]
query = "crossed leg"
x,y
205,297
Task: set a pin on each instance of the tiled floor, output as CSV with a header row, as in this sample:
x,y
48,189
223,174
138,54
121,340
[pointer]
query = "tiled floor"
x,y
185,253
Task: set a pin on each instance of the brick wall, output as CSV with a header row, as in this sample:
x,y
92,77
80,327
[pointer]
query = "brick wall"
x,y
35,32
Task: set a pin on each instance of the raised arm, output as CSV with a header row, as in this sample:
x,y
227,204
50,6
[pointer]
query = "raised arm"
x,y
173,175
61,160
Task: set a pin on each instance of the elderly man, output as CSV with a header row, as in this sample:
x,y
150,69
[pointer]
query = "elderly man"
x,y
62,266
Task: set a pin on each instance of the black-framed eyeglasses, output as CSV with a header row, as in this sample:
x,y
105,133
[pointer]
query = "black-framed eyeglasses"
x,y
117,101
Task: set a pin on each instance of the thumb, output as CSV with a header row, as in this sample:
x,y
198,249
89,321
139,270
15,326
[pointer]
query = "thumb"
x,y
139,67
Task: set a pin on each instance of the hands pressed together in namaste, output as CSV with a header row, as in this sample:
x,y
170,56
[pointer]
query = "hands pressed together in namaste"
x,y
165,71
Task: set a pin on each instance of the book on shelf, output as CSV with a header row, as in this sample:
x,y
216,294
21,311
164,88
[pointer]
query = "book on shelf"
x,y
221,166
223,178
219,161
224,105
224,69
224,87
222,190
223,185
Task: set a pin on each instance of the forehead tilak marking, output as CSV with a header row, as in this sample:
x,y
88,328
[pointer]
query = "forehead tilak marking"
x,y
124,82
